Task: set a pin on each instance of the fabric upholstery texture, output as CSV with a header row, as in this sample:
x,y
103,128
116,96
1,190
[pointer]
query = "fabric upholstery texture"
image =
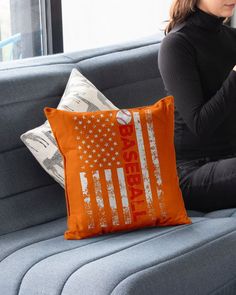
x,y
35,259
120,168
27,86
162,260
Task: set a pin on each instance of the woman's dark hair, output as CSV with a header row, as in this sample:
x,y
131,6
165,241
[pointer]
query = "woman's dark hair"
x,y
179,12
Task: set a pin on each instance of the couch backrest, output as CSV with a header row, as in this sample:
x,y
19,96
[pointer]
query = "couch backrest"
x,y
127,74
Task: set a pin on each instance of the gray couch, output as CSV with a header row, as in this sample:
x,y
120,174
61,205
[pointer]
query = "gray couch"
x,y
34,257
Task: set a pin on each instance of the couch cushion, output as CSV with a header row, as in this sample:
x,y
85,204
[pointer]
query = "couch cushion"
x,y
231,212
169,260
28,195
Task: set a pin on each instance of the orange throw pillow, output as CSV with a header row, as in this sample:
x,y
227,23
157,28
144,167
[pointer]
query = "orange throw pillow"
x,y
120,171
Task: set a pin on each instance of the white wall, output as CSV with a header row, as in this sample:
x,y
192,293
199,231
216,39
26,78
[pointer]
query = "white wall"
x,y
96,23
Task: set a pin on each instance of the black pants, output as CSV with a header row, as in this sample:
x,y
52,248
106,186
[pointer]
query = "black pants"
x,y
208,184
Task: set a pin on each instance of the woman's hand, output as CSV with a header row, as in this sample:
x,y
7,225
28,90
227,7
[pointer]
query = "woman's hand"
x,y
234,68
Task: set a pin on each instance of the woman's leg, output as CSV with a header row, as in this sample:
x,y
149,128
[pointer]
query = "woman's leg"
x,y
210,186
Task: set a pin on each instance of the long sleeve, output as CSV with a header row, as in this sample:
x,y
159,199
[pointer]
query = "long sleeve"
x,y
179,70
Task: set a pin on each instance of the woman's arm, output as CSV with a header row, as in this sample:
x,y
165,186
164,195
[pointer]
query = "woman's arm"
x,y
180,75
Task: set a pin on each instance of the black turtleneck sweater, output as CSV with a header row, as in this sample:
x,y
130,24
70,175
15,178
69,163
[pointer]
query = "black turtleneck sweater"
x,y
196,63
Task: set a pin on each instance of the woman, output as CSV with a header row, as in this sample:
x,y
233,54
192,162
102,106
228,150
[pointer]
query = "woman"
x,y
197,62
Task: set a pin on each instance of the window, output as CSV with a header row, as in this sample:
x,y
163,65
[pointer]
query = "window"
x,y
37,27
20,29
30,28
93,23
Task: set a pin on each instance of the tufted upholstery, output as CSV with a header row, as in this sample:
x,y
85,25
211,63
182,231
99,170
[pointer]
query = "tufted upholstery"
x,y
34,257
168,260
